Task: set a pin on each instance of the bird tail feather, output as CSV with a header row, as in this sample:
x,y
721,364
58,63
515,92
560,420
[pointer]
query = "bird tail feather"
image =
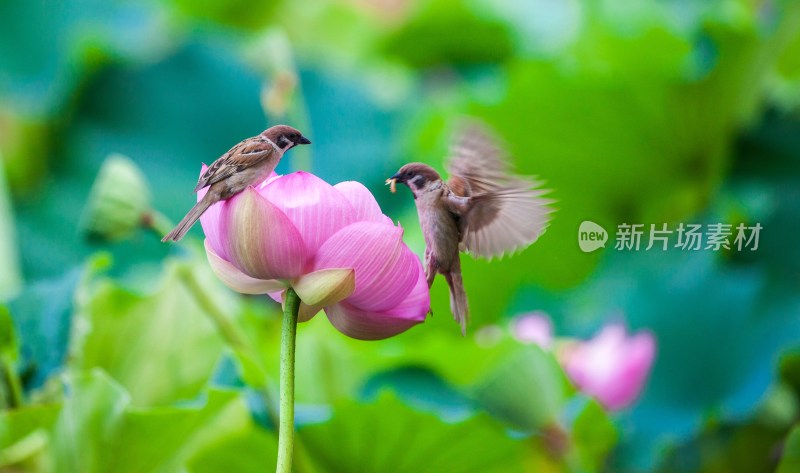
x,y
458,298
186,223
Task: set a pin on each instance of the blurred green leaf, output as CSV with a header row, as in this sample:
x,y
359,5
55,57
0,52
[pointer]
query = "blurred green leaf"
x,y
23,437
168,136
750,447
253,450
9,344
10,276
42,316
790,460
164,336
239,13
786,81
527,389
765,188
593,437
47,49
99,431
387,436
422,389
449,32
331,366
11,392
24,150
619,134
682,298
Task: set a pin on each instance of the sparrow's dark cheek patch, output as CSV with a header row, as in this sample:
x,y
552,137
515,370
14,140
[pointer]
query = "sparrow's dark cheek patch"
x,y
418,180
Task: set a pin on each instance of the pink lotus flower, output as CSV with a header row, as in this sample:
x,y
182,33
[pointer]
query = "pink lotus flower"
x,y
331,244
533,327
612,367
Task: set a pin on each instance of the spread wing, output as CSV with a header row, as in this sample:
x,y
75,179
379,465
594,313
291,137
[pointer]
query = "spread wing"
x,y
504,220
247,153
499,211
477,163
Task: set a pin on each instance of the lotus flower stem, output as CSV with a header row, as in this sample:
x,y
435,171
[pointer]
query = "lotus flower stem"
x,y
286,427
227,329
238,342
157,222
15,396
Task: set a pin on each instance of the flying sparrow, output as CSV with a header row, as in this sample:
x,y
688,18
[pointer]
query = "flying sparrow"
x,y
246,164
483,209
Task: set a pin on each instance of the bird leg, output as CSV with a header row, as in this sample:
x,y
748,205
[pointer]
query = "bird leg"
x,y
431,267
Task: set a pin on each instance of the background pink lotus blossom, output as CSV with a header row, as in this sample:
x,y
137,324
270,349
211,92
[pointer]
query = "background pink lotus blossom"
x,y
612,366
533,327
332,244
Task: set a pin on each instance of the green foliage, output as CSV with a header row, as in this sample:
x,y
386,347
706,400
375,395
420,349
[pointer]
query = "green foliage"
x,y
42,316
594,437
239,13
10,277
252,450
97,430
473,38
385,435
527,389
164,335
9,345
790,461
24,438
632,111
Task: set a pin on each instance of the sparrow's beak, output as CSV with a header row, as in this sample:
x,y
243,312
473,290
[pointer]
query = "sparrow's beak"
x,y
303,140
392,182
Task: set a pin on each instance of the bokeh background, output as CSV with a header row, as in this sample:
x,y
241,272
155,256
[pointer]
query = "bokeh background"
x,y
133,358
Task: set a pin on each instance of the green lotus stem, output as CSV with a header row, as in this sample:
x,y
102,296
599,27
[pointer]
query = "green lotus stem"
x,y
225,327
286,426
157,222
237,341
161,225
16,398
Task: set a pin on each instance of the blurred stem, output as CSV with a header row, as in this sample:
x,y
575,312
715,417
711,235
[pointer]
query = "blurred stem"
x,y
238,342
157,222
161,225
226,328
15,397
288,337
231,334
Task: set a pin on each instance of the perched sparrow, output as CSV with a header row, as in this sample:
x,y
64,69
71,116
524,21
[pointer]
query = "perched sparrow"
x,y
483,209
247,163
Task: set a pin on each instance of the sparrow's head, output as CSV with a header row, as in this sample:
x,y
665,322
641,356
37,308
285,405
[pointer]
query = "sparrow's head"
x,y
285,137
415,175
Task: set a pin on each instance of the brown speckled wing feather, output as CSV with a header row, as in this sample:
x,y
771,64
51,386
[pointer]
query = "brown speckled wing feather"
x,y
504,221
477,163
246,153
504,212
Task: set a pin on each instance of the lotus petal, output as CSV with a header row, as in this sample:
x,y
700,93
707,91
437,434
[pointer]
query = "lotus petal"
x,y
237,280
362,201
326,286
386,270
365,324
260,239
315,208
